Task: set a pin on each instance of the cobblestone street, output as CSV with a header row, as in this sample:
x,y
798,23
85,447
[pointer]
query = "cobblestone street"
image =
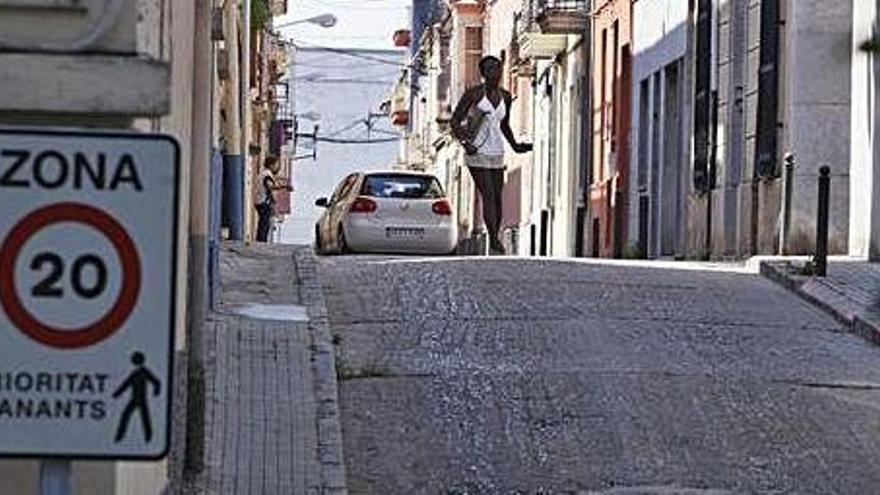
x,y
538,376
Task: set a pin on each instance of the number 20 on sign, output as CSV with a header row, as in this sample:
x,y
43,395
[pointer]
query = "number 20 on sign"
x,y
88,257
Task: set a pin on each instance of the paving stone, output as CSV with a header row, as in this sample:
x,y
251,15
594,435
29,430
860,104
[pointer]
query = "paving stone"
x,y
850,291
261,412
509,375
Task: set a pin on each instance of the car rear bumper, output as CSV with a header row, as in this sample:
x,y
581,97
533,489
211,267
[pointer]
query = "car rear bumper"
x,y
364,235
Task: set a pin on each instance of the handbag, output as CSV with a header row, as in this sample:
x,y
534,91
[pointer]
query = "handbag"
x,y
474,122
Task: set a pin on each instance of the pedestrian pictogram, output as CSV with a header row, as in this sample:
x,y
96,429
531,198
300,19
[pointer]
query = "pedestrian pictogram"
x,y
88,258
137,384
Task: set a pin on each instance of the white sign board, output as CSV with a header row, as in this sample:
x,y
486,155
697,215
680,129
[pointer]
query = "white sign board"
x,y
88,253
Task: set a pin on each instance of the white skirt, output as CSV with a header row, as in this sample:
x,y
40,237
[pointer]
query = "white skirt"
x,y
479,160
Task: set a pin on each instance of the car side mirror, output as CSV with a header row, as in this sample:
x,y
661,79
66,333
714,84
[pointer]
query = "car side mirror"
x,y
322,202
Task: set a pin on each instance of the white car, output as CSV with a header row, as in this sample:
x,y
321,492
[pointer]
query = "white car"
x,y
387,212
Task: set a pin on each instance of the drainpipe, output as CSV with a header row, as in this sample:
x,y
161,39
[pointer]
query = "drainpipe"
x,y
200,180
587,116
233,161
245,112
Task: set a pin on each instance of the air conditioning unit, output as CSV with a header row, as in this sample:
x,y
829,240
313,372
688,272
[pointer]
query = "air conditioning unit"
x,y
538,45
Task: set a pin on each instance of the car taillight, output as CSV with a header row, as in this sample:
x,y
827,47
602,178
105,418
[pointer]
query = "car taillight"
x,y
442,207
363,205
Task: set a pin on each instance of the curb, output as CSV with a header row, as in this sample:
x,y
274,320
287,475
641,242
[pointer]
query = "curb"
x,y
857,324
330,453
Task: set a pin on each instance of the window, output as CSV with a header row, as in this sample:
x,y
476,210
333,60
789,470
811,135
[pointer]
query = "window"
x,y
643,143
599,168
402,186
603,77
473,52
443,80
615,86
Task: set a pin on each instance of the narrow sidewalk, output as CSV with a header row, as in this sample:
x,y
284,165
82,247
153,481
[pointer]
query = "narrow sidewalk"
x,y
850,292
271,424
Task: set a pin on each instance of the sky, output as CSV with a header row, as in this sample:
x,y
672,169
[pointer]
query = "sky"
x,y
343,107
366,24
361,23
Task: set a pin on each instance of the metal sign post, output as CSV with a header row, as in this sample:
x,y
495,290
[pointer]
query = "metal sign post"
x,y
55,477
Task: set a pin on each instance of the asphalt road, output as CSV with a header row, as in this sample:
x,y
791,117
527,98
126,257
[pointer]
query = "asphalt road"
x,y
499,375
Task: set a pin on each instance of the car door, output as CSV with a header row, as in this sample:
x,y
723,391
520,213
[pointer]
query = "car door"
x,y
339,206
326,226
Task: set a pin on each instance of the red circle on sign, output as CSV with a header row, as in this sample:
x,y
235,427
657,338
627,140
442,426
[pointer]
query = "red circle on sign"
x,y
115,316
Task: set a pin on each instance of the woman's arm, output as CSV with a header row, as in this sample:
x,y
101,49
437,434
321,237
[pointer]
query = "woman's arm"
x,y
507,131
458,116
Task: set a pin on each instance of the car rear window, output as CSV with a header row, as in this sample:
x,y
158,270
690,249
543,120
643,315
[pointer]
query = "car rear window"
x,y
402,186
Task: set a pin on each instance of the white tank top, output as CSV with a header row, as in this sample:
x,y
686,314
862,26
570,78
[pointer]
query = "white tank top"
x,y
490,140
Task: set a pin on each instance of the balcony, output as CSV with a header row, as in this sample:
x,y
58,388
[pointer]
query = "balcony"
x,y
543,25
562,16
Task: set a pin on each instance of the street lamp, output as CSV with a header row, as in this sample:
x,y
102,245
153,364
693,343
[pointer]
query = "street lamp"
x,y
323,20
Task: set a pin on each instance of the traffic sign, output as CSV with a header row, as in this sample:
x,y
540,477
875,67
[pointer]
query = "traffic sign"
x,y
88,256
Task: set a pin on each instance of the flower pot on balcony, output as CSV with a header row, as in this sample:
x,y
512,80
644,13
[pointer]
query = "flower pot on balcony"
x,y
400,117
402,37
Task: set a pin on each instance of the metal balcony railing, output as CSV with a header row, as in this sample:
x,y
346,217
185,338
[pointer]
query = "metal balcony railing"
x,y
554,16
534,11
573,5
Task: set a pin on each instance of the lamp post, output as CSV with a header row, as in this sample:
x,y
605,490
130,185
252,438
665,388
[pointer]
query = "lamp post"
x,y
323,20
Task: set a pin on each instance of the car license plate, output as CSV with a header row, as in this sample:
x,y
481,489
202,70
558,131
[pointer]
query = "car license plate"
x,y
406,232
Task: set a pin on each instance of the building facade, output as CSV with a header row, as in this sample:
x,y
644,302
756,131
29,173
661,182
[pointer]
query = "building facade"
x,y
544,47
611,88
864,230
660,131
779,85
554,55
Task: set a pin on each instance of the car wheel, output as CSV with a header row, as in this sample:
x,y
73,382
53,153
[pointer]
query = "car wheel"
x,y
340,241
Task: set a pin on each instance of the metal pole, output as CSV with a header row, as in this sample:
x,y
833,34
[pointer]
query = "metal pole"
x,y
821,259
55,477
786,212
199,192
315,142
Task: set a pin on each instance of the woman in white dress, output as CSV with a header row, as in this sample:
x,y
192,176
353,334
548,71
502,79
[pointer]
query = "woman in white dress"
x,y
481,123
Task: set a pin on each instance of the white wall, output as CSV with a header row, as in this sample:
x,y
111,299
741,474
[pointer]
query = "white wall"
x,y
864,233
819,113
568,101
660,31
659,34
537,198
